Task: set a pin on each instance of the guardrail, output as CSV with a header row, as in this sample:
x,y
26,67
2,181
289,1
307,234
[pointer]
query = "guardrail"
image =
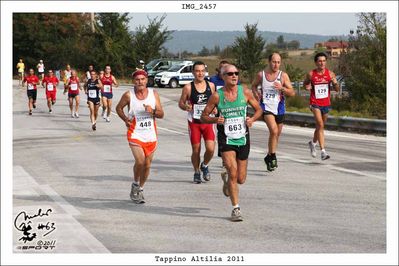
x,y
337,123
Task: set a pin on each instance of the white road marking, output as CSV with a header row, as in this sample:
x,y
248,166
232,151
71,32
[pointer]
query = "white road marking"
x,y
68,208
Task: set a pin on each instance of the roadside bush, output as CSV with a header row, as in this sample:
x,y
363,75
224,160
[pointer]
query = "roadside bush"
x,y
297,102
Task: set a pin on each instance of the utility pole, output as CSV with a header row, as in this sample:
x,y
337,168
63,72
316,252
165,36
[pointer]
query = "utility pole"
x,y
92,22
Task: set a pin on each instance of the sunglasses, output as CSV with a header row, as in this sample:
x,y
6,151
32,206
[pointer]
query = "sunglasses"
x,y
232,73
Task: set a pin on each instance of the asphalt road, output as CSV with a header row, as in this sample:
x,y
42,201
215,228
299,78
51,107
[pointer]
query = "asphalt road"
x,y
83,177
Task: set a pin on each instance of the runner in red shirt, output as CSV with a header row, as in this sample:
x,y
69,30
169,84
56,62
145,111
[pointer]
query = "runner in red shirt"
x,y
50,83
73,84
319,82
32,80
108,81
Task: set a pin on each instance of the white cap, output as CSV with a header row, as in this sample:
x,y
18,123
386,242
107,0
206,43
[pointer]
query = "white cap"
x,y
141,62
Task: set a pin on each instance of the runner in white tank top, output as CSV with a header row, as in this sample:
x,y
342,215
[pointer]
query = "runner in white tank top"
x,y
276,85
144,106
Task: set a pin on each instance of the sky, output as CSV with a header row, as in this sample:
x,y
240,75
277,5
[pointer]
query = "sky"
x,y
305,23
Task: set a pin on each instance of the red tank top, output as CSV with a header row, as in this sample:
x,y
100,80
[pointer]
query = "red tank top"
x,y
107,84
320,92
73,85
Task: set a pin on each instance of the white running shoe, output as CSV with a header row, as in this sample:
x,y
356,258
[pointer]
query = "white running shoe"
x,y
104,114
324,155
236,215
312,149
107,119
72,115
76,115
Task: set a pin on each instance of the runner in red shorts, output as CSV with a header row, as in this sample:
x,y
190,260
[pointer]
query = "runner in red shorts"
x,y
193,99
50,83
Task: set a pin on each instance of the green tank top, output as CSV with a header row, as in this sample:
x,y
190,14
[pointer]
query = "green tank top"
x,y
234,114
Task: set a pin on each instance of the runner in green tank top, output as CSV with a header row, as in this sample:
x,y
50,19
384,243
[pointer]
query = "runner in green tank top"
x,y
231,102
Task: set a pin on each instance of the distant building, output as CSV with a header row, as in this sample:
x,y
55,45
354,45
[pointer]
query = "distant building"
x,y
333,49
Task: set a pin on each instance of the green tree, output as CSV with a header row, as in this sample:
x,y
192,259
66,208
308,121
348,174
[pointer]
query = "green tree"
x,y
295,73
204,51
148,40
216,50
364,66
248,51
57,38
112,43
281,44
227,52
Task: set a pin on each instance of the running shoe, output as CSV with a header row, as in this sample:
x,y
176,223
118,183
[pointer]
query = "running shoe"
x,y
50,111
225,188
205,172
273,162
324,155
30,112
76,115
107,119
104,115
134,193
140,197
236,215
268,162
197,178
94,127
72,115
34,106
312,149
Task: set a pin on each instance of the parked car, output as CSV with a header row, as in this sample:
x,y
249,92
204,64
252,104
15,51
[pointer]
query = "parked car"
x,y
159,65
177,75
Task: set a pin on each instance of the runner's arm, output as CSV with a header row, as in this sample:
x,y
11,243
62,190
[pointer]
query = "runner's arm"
x,y
255,85
334,81
114,81
307,82
287,89
255,105
213,89
212,103
185,95
158,111
100,84
123,102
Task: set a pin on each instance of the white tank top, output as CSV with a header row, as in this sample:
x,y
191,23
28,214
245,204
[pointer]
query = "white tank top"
x,y
270,96
143,126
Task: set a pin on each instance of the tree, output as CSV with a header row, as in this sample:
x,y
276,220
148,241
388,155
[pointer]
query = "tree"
x,y
148,41
216,50
295,73
113,43
204,51
227,52
281,44
248,51
57,38
364,66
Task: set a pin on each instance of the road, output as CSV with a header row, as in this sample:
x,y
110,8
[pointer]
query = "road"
x,y
84,177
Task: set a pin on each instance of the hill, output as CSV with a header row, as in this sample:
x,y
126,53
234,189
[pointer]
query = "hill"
x,y
193,41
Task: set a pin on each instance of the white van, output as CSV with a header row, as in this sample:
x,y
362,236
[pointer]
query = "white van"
x,y
177,75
